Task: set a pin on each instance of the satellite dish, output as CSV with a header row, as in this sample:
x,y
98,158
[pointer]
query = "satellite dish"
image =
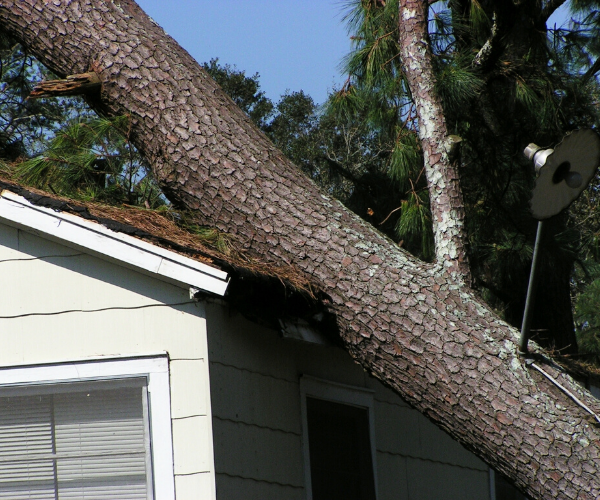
x,y
563,172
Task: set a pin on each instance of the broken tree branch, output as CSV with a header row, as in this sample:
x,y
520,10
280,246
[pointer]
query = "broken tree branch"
x,y
485,52
72,85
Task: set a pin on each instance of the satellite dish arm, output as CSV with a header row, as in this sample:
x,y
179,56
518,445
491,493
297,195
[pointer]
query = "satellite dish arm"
x,y
531,288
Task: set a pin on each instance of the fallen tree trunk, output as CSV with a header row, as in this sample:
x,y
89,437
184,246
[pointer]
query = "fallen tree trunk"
x,y
408,323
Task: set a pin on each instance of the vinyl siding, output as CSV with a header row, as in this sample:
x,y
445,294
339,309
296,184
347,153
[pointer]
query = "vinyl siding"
x,y
257,421
58,305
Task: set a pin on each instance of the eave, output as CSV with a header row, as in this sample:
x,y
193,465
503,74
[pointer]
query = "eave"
x,y
73,231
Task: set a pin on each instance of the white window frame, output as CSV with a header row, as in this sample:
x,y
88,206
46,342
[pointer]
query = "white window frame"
x,y
339,393
156,371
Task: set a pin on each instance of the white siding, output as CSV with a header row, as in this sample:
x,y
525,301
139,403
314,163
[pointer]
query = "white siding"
x,y
257,421
59,305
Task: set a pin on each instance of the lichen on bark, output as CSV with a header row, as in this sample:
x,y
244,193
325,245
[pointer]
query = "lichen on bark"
x,y
442,174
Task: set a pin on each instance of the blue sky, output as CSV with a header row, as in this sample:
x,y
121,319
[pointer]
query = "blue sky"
x,y
293,44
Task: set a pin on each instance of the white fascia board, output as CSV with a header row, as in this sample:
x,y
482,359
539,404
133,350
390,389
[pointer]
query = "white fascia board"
x,y
74,230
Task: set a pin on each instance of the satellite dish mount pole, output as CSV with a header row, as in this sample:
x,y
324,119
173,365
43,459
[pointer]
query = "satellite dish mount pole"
x,y
562,174
531,288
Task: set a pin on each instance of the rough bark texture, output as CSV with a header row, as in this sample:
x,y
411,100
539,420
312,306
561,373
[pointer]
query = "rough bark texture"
x,y
447,206
413,327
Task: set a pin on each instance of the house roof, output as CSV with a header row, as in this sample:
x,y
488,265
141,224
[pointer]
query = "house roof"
x,y
160,230
99,239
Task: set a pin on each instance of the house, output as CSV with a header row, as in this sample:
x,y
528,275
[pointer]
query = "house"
x,y
126,374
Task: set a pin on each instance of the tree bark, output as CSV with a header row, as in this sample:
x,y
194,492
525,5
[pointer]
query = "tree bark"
x,y
412,326
445,195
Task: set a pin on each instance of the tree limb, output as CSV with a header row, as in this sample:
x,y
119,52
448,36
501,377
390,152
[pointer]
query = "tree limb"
x,y
71,86
485,53
445,195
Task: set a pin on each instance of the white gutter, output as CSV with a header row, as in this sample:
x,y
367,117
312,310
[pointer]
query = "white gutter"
x,y
92,236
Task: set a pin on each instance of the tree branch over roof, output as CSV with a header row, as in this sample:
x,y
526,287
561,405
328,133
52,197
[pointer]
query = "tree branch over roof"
x,y
414,327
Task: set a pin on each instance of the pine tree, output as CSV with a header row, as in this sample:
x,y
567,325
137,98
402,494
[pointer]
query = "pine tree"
x,y
498,95
91,157
25,124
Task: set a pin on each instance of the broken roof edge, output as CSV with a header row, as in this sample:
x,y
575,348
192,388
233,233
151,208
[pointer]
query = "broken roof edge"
x,y
95,237
160,230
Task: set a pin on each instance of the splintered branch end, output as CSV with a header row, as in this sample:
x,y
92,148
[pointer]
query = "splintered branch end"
x,y
70,86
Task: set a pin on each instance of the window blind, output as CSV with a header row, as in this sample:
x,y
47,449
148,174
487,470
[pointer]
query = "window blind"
x,y
73,441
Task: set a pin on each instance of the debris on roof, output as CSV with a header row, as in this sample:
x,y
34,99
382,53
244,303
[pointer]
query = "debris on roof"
x,y
164,229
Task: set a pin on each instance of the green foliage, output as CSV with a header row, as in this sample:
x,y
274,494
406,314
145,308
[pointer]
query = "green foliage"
x,y
244,90
414,223
93,159
587,318
406,161
293,128
479,23
25,124
457,83
585,219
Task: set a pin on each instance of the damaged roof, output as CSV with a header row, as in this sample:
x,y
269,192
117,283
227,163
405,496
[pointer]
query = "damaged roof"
x,y
163,229
260,291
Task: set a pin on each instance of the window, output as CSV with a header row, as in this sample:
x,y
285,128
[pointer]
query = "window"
x,y
338,435
87,436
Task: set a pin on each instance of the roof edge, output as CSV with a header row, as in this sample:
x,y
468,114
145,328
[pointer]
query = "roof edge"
x,y
125,249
